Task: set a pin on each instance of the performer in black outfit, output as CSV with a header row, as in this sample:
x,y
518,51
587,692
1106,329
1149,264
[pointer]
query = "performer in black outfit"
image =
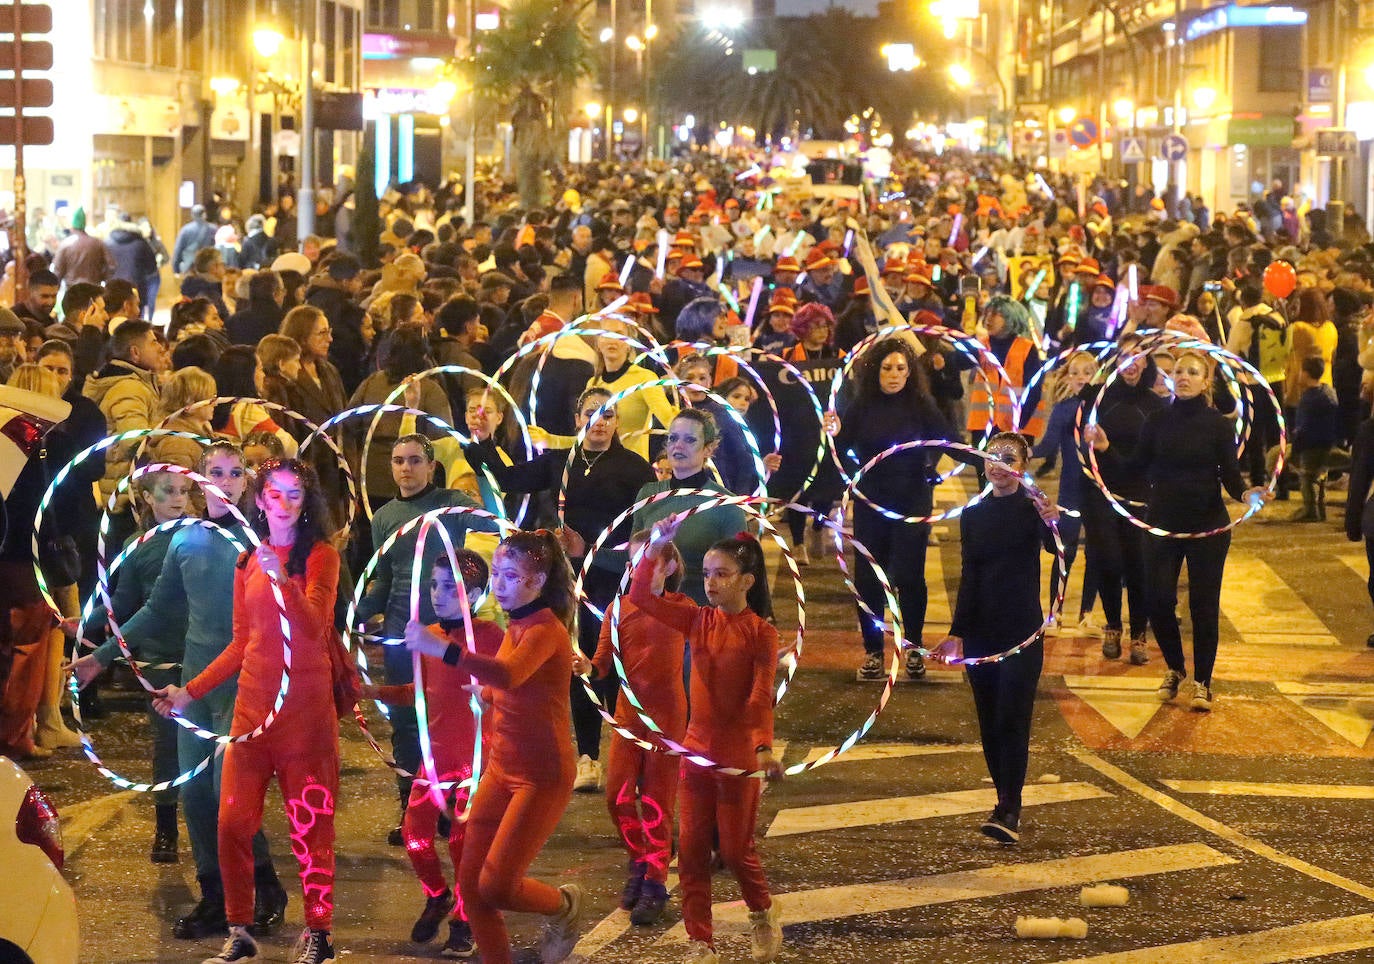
x,y
603,481
1115,547
999,607
1187,454
893,405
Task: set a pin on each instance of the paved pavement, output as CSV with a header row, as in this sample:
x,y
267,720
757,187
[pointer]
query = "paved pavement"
x,y
1241,835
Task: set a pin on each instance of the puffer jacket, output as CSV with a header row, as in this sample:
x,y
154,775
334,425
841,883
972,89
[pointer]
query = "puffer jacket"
x,y
127,396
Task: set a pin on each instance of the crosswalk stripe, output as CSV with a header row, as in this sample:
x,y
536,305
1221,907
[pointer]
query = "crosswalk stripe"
x,y
868,813
1325,791
830,903
1343,708
1296,943
1214,826
1264,610
864,752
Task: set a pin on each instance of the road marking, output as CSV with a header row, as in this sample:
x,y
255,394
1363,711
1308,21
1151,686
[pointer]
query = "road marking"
x,y
864,752
1230,835
610,928
1264,610
830,903
1128,703
1296,943
1325,791
82,820
868,813
1344,708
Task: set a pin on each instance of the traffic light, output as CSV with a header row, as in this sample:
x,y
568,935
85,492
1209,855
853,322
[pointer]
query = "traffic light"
x,y
20,57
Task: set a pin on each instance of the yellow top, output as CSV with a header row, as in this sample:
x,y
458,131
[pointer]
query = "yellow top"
x,y
638,409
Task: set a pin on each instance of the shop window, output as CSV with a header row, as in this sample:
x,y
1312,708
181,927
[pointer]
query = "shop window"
x,y
1280,64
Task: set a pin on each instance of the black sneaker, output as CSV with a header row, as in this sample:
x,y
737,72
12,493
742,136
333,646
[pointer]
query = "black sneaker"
x,y
205,920
652,899
238,946
315,947
395,837
634,883
1370,641
1001,828
872,667
164,849
436,909
269,908
459,945
445,827
915,664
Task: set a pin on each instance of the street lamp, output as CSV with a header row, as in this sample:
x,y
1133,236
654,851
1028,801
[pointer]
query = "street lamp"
x,y
1204,97
961,75
267,41
1067,114
1123,109
634,43
631,115
592,110
606,34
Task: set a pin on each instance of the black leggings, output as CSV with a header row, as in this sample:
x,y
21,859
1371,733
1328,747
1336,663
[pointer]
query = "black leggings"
x,y
796,521
601,586
900,548
1004,695
1116,553
1206,560
1369,557
1070,529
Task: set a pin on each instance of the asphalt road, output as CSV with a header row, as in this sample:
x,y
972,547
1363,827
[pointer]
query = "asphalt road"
x,y
1241,835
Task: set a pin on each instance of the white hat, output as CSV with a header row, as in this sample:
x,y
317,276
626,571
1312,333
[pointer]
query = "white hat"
x,y
292,261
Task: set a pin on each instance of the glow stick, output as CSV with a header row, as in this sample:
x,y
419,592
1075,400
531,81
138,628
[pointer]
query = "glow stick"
x,y
1131,280
848,241
1035,284
1118,311
796,243
954,231
662,253
1071,315
1044,185
625,271
749,173
935,273
753,301
729,296
979,256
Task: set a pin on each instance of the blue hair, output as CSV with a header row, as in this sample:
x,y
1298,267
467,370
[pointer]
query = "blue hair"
x,y
1015,314
697,321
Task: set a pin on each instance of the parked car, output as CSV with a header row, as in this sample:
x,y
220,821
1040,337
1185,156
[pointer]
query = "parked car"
x,y
38,923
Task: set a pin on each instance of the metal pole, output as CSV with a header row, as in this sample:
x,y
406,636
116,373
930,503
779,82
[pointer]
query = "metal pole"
x,y
306,195
610,92
470,161
647,66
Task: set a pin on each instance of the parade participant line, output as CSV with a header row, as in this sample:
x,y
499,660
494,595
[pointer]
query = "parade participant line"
x,y
1214,826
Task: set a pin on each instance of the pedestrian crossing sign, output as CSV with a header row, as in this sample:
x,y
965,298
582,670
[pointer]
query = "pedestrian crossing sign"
x,y
1132,150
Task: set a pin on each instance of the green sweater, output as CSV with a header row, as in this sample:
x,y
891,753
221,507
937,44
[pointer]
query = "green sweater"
x,y
699,531
162,640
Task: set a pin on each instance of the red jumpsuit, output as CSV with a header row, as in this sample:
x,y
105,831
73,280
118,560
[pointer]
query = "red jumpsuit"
x,y
528,782
301,747
452,733
641,785
734,661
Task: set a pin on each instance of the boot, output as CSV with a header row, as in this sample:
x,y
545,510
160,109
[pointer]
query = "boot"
x,y
206,918
269,901
52,731
165,839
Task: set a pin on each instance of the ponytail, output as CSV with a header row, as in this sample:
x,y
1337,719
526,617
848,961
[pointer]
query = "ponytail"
x,y
745,550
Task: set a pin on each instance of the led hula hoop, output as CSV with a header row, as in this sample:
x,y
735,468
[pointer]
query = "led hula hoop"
x,y
740,355
429,773
712,499
283,410
1157,339
87,745
492,385
62,474
1255,505
360,588
668,745
102,585
903,643
961,342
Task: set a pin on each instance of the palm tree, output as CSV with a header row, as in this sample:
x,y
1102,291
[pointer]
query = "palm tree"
x,y
528,65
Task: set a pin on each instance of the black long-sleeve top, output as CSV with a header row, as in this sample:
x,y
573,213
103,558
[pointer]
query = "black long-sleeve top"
x,y
999,583
1187,454
872,425
595,494
1359,512
1122,414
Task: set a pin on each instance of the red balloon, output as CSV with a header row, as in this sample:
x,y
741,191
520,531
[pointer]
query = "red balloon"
x,y
1280,279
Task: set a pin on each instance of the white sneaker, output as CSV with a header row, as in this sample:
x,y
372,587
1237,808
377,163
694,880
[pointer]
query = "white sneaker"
x,y
1169,688
1202,698
560,930
700,952
1087,627
766,930
588,775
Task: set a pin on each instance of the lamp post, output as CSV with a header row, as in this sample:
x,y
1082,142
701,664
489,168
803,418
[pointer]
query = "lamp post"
x,y
267,42
305,207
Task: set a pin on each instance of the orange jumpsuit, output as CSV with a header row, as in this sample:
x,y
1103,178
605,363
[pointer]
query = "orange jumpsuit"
x,y
641,785
528,782
734,661
301,747
452,734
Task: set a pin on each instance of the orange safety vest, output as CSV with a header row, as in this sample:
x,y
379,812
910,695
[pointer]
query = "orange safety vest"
x,y
1032,423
